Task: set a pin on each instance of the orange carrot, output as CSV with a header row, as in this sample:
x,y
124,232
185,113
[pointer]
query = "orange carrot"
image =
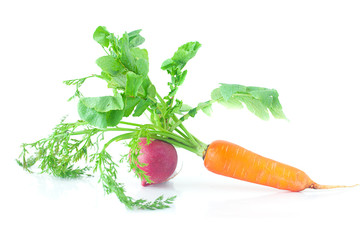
x,y
234,161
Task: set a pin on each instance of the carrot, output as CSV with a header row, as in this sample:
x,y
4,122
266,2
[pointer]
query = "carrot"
x,y
231,160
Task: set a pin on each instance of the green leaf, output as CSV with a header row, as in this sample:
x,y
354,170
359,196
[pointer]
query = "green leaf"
x,y
103,104
118,81
99,119
104,75
227,90
109,65
167,64
130,104
185,53
151,91
175,65
205,107
141,60
147,89
256,107
185,108
276,109
259,101
182,77
265,95
100,35
133,82
142,67
230,103
139,53
141,107
181,56
135,39
126,56
193,112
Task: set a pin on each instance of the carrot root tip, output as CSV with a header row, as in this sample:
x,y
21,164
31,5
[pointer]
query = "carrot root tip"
x,y
319,186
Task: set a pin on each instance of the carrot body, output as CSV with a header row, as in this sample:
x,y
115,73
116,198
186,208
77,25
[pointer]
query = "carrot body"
x,y
234,161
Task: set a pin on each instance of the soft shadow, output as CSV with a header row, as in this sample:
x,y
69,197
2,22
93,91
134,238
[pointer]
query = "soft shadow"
x,y
58,188
154,190
278,204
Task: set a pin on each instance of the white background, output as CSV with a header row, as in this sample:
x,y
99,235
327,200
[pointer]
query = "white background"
x,y
308,50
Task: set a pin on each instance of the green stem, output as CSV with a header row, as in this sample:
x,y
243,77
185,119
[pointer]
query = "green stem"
x,y
119,129
180,132
177,144
160,98
190,136
131,124
172,136
169,137
178,123
183,128
174,118
105,50
119,138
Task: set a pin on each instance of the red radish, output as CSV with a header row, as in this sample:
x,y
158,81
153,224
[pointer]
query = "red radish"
x,y
161,160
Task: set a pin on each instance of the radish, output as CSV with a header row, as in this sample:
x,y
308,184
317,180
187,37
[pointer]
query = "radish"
x,y
161,160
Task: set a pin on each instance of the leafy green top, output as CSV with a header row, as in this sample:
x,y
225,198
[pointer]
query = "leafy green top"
x,y
125,69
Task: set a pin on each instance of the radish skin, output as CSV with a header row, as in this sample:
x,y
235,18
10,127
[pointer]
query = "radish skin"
x,y
161,159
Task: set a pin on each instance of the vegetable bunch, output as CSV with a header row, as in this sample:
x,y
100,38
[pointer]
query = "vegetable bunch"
x,y
80,148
